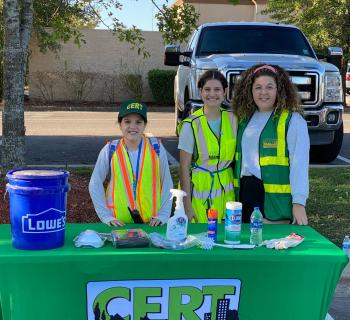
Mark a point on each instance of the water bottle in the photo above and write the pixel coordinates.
(213, 224)
(256, 226)
(346, 245)
(233, 221)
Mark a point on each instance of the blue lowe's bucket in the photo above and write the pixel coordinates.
(38, 202)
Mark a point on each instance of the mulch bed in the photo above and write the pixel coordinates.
(79, 204)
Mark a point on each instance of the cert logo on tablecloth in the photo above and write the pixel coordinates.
(164, 299)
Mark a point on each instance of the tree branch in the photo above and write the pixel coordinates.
(99, 16)
(159, 9)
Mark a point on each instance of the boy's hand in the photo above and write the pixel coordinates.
(155, 222)
(116, 223)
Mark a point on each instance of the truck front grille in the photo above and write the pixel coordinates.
(305, 81)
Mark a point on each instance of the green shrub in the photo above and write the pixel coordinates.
(161, 83)
(132, 84)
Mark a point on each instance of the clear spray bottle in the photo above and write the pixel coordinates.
(177, 225)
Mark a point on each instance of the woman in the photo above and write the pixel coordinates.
(272, 146)
(140, 180)
(207, 146)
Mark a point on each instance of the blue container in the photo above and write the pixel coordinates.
(38, 202)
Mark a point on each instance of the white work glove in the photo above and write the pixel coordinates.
(284, 243)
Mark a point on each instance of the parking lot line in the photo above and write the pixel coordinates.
(343, 159)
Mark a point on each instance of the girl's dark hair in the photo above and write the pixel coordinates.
(212, 75)
(120, 119)
(287, 97)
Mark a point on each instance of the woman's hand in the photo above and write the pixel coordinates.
(116, 223)
(191, 215)
(299, 214)
(155, 222)
(185, 181)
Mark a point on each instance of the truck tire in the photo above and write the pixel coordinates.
(328, 153)
(178, 119)
(181, 115)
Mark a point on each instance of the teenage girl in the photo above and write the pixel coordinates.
(207, 146)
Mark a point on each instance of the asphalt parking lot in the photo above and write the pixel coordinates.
(76, 137)
(73, 137)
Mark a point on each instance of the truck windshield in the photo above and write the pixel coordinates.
(253, 39)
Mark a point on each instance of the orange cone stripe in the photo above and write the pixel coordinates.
(126, 179)
(145, 141)
(154, 184)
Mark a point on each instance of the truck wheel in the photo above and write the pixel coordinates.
(327, 153)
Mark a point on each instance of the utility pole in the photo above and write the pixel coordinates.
(255, 10)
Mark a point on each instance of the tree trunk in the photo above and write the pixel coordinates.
(17, 28)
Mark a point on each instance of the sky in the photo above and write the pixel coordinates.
(137, 12)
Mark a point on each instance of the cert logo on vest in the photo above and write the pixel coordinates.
(164, 299)
(270, 143)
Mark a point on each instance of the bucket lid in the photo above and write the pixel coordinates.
(35, 173)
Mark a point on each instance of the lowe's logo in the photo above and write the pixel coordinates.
(50, 220)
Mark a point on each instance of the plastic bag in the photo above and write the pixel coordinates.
(130, 238)
(160, 241)
(284, 243)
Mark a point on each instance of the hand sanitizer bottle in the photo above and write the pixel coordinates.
(177, 225)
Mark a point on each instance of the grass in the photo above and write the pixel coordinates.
(328, 207)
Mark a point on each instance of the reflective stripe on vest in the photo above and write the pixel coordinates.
(214, 194)
(211, 174)
(148, 188)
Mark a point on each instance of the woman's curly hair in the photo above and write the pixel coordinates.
(287, 97)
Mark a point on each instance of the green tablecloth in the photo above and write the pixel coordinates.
(297, 283)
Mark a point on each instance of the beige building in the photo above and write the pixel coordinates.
(100, 70)
(94, 72)
(223, 10)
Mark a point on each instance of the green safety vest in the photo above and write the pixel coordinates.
(147, 199)
(211, 172)
(274, 166)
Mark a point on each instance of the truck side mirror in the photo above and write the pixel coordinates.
(172, 55)
(335, 56)
(172, 58)
(321, 56)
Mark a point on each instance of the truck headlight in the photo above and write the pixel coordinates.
(333, 91)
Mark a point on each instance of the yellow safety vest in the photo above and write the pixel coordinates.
(146, 197)
(211, 172)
